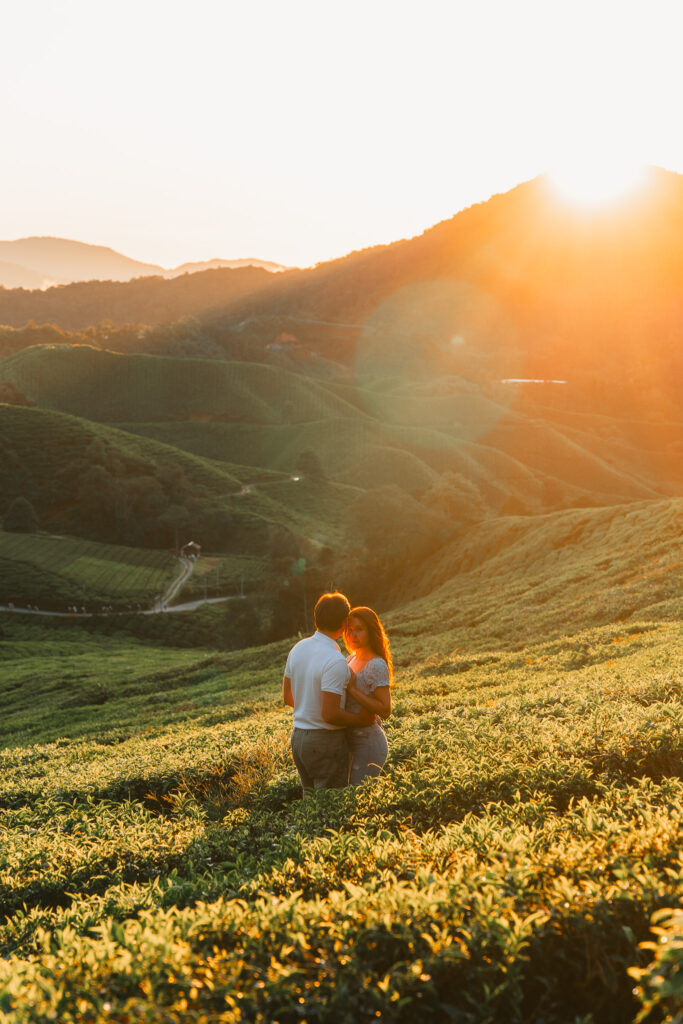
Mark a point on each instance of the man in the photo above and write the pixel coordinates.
(314, 684)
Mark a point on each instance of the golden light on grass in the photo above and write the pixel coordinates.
(594, 181)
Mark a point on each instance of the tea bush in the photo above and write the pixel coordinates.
(505, 867)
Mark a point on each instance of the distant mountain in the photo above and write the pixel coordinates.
(13, 275)
(194, 268)
(60, 261)
(41, 262)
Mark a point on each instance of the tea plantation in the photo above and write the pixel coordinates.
(519, 860)
(60, 571)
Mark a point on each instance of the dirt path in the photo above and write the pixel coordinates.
(185, 573)
(189, 606)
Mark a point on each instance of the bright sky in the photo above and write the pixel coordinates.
(298, 130)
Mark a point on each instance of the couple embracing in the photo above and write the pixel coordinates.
(338, 704)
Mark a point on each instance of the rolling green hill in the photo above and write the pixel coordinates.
(254, 460)
(95, 481)
(515, 448)
(111, 387)
(90, 479)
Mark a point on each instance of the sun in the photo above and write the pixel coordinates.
(592, 182)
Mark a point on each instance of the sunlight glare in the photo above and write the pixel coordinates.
(594, 182)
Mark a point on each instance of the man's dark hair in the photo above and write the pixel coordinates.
(331, 611)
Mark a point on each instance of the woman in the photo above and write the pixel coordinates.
(371, 660)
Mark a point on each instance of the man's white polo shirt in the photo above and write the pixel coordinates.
(315, 664)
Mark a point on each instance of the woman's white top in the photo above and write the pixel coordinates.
(374, 673)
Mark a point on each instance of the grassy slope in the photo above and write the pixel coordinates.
(54, 571)
(514, 579)
(60, 680)
(531, 805)
(505, 459)
(344, 446)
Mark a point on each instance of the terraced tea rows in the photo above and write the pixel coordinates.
(51, 571)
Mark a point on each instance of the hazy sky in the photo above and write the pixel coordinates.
(299, 130)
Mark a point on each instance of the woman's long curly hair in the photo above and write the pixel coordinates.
(377, 637)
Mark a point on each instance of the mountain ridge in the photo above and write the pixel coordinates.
(43, 261)
(522, 285)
